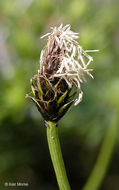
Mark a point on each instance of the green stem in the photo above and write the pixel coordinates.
(56, 156)
(104, 157)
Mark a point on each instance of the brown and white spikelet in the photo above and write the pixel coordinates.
(62, 67)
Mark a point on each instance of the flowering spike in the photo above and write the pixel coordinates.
(62, 67)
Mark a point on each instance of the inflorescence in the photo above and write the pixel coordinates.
(63, 64)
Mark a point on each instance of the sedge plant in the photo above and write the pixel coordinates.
(63, 64)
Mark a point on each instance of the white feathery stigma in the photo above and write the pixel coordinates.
(73, 59)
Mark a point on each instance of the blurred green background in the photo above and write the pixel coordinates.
(24, 155)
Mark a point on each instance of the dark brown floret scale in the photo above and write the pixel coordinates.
(51, 58)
